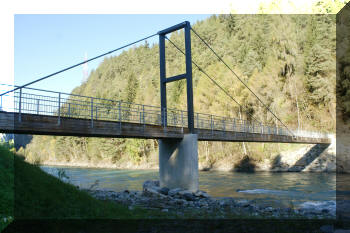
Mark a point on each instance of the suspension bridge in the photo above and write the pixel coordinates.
(44, 112)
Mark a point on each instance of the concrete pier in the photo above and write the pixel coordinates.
(178, 162)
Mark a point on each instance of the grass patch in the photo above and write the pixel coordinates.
(6, 185)
(39, 195)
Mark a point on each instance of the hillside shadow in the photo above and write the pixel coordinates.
(245, 165)
(308, 157)
(22, 140)
(276, 162)
(311, 155)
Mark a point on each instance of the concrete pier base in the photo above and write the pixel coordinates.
(178, 162)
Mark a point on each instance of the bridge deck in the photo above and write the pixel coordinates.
(48, 125)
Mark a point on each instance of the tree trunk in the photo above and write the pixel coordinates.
(206, 146)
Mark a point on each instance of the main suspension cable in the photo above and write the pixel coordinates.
(216, 83)
(81, 63)
(240, 79)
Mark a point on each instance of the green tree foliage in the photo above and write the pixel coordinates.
(288, 60)
(320, 59)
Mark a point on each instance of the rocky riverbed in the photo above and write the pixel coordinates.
(184, 203)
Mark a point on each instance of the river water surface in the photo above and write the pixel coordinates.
(314, 190)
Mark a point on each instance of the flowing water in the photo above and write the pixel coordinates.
(308, 190)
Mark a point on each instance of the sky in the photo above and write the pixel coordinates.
(44, 44)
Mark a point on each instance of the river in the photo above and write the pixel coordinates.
(314, 190)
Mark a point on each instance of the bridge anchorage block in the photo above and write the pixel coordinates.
(178, 162)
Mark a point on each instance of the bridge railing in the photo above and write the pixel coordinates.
(212, 122)
(49, 103)
(303, 133)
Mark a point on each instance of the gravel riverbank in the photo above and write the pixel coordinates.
(184, 203)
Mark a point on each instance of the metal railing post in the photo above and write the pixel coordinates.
(37, 106)
(182, 121)
(59, 108)
(68, 109)
(20, 106)
(234, 124)
(211, 124)
(223, 124)
(143, 117)
(140, 117)
(92, 112)
(96, 116)
(197, 120)
(120, 115)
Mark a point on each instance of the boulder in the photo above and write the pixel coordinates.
(188, 196)
(164, 190)
(183, 192)
(180, 201)
(150, 184)
(153, 192)
(173, 192)
(201, 194)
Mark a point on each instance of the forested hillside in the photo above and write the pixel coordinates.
(288, 60)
